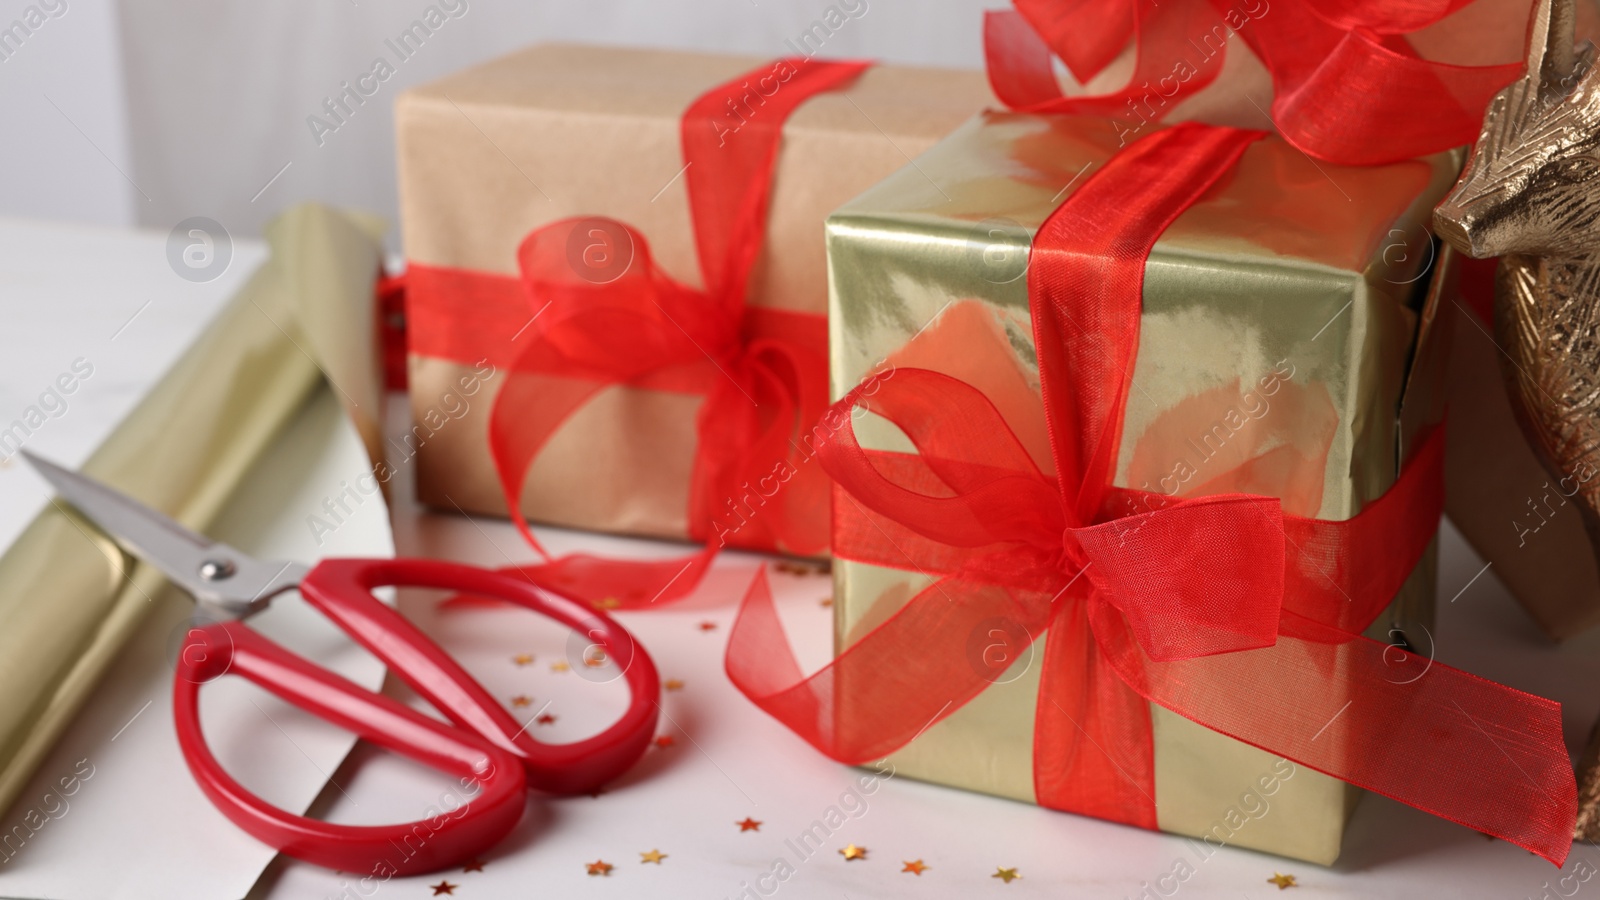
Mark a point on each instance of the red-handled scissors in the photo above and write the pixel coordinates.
(485, 745)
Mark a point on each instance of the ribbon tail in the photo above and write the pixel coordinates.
(1444, 741)
(919, 665)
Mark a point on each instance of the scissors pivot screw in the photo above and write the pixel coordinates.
(217, 570)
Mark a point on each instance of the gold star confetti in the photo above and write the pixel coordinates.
(915, 867)
(1284, 882)
(599, 867)
(476, 865)
(1006, 875)
(851, 851)
(559, 665)
(749, 824)
(523, 659)
(825, 602)
(546, 719)
(654, 856)
(444, 887)
(663, 741)
(609, 603)
(521, 700)
(672, 684)
(595, 660)
(708, 626)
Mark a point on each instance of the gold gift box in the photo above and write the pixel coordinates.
(558, 131)
(1288, 348)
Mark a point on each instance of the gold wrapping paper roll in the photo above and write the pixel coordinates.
(69, 598)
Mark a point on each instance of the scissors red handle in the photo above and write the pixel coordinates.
(487, 747)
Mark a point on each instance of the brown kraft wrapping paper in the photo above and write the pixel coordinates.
(558, 131)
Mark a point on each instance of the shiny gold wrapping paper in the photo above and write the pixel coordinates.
(556, 131)
(70, 598)
(1295, 293)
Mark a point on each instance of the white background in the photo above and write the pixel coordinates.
(150, 111)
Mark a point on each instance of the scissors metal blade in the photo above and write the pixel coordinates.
(212, 571)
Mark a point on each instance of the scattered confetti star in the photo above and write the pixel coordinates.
(1284, 882)
(851, 851)
(915, 867)
(654, 856)
(672, 684)
(559, 665)
(1006, 875)
(444, 887)
(664, 741)
(749, 824)
(546, 719)
(609, 603)
(595, 660)
(599, 867)
(476, 865)
(521, 700)
(708, 626)
(522, 659)
(825, 601)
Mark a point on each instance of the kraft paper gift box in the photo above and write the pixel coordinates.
(560, 131)
(1507, 506)
(1288, 348)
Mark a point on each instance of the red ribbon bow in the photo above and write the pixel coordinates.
(1222, 609)
(1347, 86)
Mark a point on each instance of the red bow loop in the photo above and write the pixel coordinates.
(1194, 579)
(597, 299)
(971, 483)
(1348, 87)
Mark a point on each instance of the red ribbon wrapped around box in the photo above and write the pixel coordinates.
(590, 311)
(1222, 609)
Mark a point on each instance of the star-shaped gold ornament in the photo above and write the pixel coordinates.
(559, 665)
(1284, 882)
(521, 700)
(444, 887)
(748, 824)
(672, 684)
(609, 603)
(595, 660)
(825, 602)
(851, 851)
(599, 867)
(523, 659)
(914, 866)
(654, 856)
(1005, 875)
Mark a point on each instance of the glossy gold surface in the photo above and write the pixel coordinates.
(1317, 274)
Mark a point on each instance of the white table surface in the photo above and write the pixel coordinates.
(728, 761)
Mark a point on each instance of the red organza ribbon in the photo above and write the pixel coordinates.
(1347, 86)
(598, 313)
(1222, 609)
